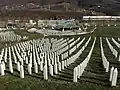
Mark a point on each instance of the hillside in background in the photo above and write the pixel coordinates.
(109, 7)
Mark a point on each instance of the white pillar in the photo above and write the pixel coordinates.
(75, 75)
(63, 65)
(26, 60)
(4, 65)
(41, 66)
(38, 61)
(111, 73)
(59, 66)
(49, 63)
(22, 63)
(51, 70)
(45, 73)
(18, 66)
(78, 68)
(10, 66)
(63, 30)
(36, 68)
(55, 69)
(15, 59)
(52, 61)
(2, 69)
(80, 72)
(107, 68)
(57, 58)
(114, 80)
(21, 71)
(67, 62)
(30, 69)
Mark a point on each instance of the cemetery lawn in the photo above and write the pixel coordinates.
(32, 83)
(106, 31)
(30, 35)
(14, 82)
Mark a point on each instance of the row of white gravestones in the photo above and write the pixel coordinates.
(61, 66)
(115, 53)
(73, 49)
(21, 68)
(36, 67)
(78, 71)
(9, 36)
(64, 47)
(104, 59)
(72, 43)
(65, 55)
(74, 57)
(80, 42)
(57, 41)
(59, 44)
(71, 40)
(61, 47)
(16, 50)
(78, 39)
(53, 40)
(29, 69)
(116, 43)
(113, 76)
(10, 61)
(63, 43)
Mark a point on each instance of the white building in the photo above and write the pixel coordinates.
(101, 17)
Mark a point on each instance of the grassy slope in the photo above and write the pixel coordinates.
(104, 31)
(9, 82)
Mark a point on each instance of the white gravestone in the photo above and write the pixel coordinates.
(55, 69)
(51, 70)
(114, 79)
(63, 65)
(21, 71)
(75, 75)
(36, 68)
(45, 73)
(41, 66)
(10, 66)
(2, 69)
(18, 66)
(59, 66)
(30, 69)
(111, 73)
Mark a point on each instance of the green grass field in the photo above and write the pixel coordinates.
(111, 31)
(13, 82)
